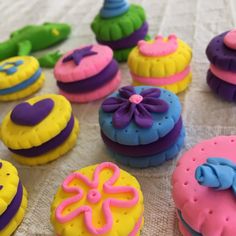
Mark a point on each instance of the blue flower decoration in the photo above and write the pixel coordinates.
(217, 173)
(10, 69)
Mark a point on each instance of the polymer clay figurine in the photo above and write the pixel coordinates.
(221, 76)
(204, 188)
(98, 200)
(87, 74)
(163, 62)
(34, 38)
(120, 26)
(142, 126)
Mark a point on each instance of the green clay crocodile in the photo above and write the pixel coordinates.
(34, 38)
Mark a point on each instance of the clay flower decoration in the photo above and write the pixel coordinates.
(137, 107)
(94, 196)
(10, 67)
(218, 173)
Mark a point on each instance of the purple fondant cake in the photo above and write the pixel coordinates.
(221, 77)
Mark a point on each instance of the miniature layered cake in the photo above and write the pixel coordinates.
(204, 188)
(19, 77)
(98, 200)
(13, 199)
(162, 62)
(120, 26)
(221, 77)
(142, 126)
(40, 130)
(87, 74)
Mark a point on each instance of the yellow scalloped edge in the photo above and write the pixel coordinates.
(24, 71)
(15, 222)
(174, 88)
(124, 218)
(139, 233)
(54, 154)
(9, 183)
(160, 66)
(25, 92)
(23, 137)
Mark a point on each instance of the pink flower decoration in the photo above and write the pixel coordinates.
(94, 196)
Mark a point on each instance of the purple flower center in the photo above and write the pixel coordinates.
(136, 98)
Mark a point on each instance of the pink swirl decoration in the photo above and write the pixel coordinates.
(94, 196)
(159, 47)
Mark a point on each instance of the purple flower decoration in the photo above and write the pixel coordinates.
(78, 54)
(138, 107)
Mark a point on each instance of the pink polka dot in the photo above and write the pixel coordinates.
(230, 39)
(94, 196)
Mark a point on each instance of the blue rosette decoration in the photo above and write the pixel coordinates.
(217, 173)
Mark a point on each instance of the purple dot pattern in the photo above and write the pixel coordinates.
(220, 55)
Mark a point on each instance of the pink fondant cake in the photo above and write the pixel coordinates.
(87, 73)
(204, 188)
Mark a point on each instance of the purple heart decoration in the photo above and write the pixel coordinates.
(30, 115)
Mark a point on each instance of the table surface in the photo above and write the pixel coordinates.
(204, 115)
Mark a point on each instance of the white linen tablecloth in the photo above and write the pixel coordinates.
(204, 115)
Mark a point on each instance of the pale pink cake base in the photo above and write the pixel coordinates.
(227, 76)
(207, 211)
(162, 81)
(96, 94)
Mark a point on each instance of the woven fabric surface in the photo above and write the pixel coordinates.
(204, 115)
